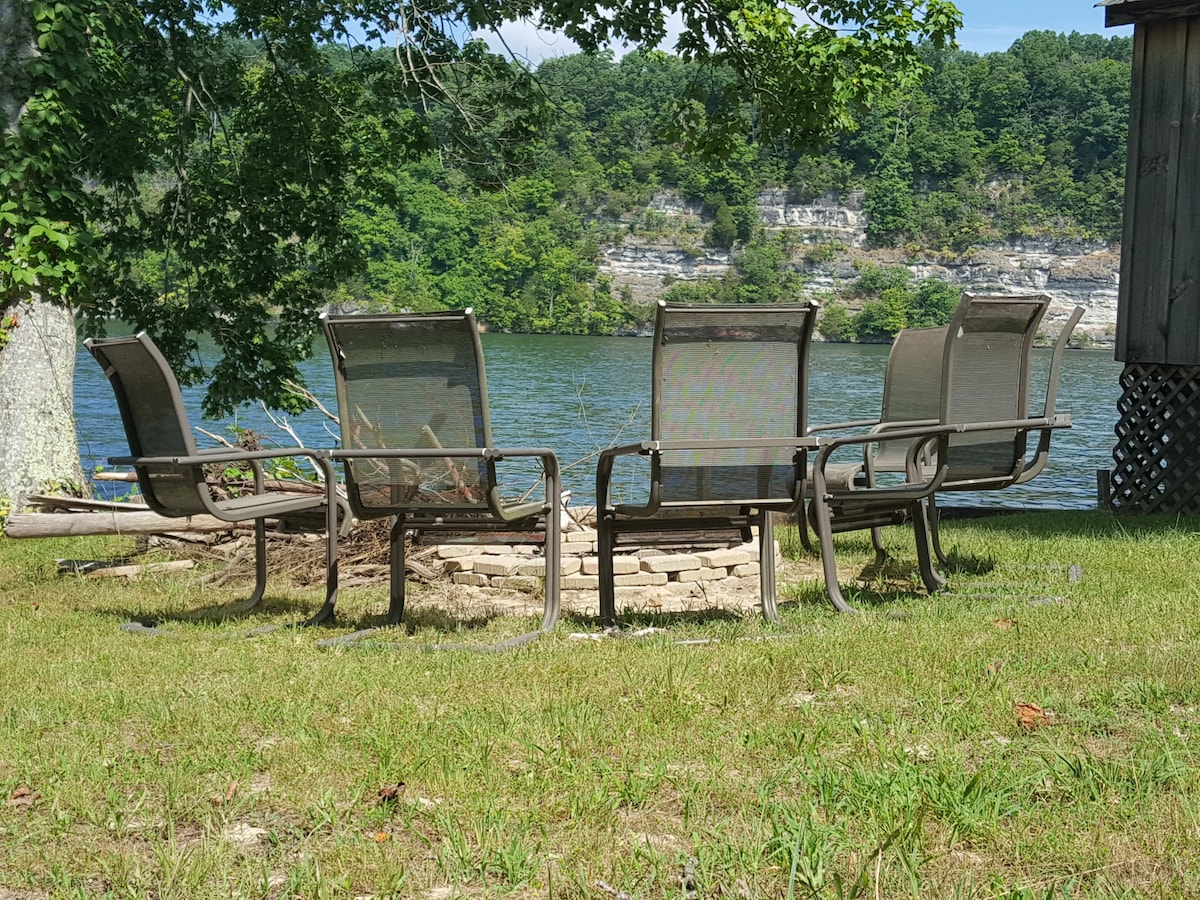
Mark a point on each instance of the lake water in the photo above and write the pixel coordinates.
(580, 394)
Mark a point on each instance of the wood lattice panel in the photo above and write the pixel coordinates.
(1158, 440)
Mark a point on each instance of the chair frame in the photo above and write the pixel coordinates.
(431, 518)
(258, 507)
(613, 521)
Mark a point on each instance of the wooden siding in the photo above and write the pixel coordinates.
(1158, 315)
(1131, 12)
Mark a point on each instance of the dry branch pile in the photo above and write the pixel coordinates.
(299, 557)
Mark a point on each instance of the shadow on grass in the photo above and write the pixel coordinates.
(216, 613)
(637, 619)
(874, 596)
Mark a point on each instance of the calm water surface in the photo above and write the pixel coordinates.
(580, 394)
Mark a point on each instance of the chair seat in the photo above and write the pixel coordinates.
(278, 503)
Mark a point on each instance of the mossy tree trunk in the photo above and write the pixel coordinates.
(38, 446)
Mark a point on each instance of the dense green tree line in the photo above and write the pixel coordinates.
(1030, 141)
(500, 198)
(503, 205)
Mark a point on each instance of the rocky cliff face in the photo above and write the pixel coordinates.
(831, 237)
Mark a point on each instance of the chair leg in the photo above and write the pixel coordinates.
(260, 566)
(806, 540)
(396, 573)
(605, 544)
(935, 534)
(553, 557)
(324, 615)
(820, 515)
(881, 554)
(766, 566)
(933, 579)
(248, 605)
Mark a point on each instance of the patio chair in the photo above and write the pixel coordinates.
(911, 395)
(417, 442)
(911, 388)
(727, 446)
(978, 440)
(171, 470)
(1031, 467)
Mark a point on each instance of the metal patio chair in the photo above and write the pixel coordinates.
(417, 442)
(728, 444)
(1030, 467)
(912, 395)
(171, 469)
(977, 441)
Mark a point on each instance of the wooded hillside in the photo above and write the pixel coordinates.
(508, 215)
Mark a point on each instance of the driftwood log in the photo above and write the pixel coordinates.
(78, 524)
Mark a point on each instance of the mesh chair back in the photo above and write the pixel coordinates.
(724, 372)
(410, 381)
(156, 423)
(911, 388)
(985, 375)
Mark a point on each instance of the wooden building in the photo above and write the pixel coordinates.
(1157, 455)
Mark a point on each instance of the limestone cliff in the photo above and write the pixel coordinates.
(830, 237)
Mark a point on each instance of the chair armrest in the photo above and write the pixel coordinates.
(604, 466)
(843, 426)
(884, 427)
(320, 458)
(1041, 456)
(551, 478)
(920, 437)
(1060, 420)
(218, 454)
(799, 443)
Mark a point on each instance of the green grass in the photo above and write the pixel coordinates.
(876, 755)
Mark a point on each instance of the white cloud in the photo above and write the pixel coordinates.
(525, 41)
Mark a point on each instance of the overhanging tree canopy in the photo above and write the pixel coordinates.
(270, 118)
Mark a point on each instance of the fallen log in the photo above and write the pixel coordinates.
(45, 525)
(83, 504)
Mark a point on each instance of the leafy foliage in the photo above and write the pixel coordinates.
(891, 301)
(258, 144)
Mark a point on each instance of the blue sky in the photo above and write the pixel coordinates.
(987, 25)
(994, 24)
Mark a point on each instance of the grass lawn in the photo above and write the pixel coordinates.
(896, 753)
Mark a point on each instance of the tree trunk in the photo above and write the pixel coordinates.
(16, 46)
(38, 447)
